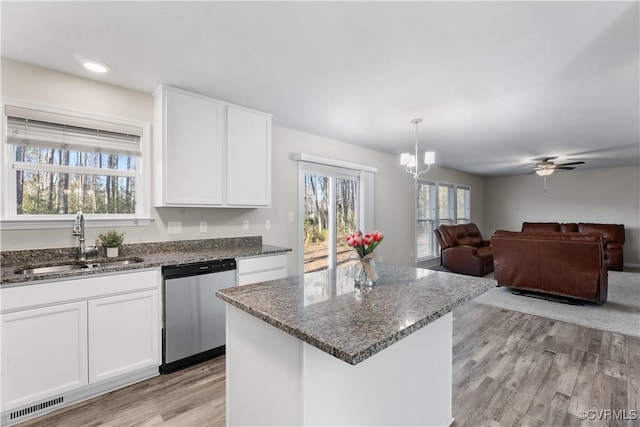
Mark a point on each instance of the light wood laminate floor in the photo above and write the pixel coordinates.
(509, 369)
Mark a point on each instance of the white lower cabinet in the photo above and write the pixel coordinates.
(69, 340)
(44, 352)
(123, 334)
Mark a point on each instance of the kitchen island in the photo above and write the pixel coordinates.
(315, 350)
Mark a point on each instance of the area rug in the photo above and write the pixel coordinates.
(621, 312)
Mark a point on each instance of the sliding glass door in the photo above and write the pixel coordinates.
(330, 202)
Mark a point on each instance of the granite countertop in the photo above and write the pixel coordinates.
(324, 308)
(148, 255)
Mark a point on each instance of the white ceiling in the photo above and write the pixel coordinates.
(497, 83)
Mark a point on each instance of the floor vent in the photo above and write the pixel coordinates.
(35, 408)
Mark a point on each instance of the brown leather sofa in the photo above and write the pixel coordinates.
(565, 264)
(462, 249)
(612, 235)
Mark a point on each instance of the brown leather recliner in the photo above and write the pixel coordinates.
(565, 264)
(462, 249)
(612, 237)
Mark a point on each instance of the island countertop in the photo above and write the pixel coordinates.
(325, 310)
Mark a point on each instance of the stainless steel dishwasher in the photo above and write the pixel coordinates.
(193, 317)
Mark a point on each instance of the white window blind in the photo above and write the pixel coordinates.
(426, 214)
(47, 130)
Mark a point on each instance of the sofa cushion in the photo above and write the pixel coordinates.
(540, 226)
(569, 227)
(461, 235)
(610, 232)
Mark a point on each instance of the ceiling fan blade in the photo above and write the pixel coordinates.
(544, 159)
(572, 163)
(565, 167)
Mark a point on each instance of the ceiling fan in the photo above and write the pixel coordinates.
(546, 167)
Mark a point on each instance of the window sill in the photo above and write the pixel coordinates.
(60, 223)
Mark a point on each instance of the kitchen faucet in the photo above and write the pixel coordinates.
(78, 230)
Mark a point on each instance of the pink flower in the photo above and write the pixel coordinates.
(364, 244)
(350, 240)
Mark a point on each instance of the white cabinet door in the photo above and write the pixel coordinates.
(248, 157)
(188, 151)
(124, 334)
(44, 353)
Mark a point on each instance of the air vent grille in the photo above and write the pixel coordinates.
(35, 408)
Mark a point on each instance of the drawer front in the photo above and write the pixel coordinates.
(262, 276)
(263, 263)
(72, 289)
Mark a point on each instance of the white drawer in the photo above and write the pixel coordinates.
(262, 276)
(261, 269)
(78, 288)
(254, 265)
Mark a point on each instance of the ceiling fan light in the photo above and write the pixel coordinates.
(544, 172)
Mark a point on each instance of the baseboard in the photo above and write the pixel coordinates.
(629, 265)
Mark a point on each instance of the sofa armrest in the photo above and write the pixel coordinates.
(462, 250)
(614, 246)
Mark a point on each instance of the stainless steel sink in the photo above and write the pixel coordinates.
(73, 266)
(52, 269)
(113, 263)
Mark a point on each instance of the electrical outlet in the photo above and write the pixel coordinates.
(245, 225)
(291, 217)
(267, 224)
(174, 227)
(203, 226)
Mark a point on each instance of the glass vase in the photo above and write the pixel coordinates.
(364, 272)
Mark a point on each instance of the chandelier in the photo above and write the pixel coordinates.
(408, 160)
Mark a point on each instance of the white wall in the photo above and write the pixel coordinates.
(393, 195)
(609, 195)
(589, 195)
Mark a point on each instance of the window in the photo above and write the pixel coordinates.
(59, 164)
(438, 203)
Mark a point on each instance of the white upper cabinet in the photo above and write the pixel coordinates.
(248, 157)
(188, 149)
(209, 153)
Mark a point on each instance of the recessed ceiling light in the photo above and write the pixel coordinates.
(95, 66)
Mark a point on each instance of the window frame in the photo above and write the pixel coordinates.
(10, 220)
(453, 189)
